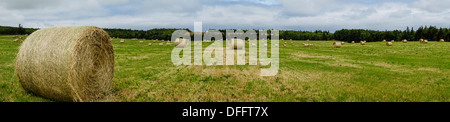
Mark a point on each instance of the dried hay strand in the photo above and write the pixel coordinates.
(141, 42)
(441, 40)
(180, 43)
(16, 40)
(149, 44)
(362, 42)
(389, 44)
(405, 41)
(122, 41)
(67, 63)
(237, 44)
(336, 44)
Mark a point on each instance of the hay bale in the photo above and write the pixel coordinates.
(122, 41)
(168, 44)
(265, 45)
(384, 40)
(353, 42)
(149, 44)
(180, 43)
(253, 45)
(154, 40)
(389, 44)
(276, 45)
(161, 44)
(421, 40)
(424, 42)
(134, 39)
(16, 40)
(307, 45)
(285, 45)
(237, 44)
(141, 42)
(336, 44)
(405, 41)
(67, 63)
(342, 43)
(307, 40)
(441, 40)
(362, 42)
(392, 41)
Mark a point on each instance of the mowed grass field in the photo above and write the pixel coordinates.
(404, 72)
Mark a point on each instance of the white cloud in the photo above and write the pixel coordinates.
(255, 14)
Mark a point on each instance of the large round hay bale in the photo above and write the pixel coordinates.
(337, 44)
(392, 41)
(425, 42)
(67, 63)
(342, 43)
(122, 41)
(421, 40)
(141, 42)
(149, 44)
(362, 42)
(405, 41)
(441, 40)
(237, 44)
(389, 44)
(16, 40)
(353, 42)
(384, 40)
(161, 44)
(180, 43)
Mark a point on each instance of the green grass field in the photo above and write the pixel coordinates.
(354, 73)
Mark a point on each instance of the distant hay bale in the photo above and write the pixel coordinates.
(67, 63)
(168, 44)
(141, 42)
(424, 42)
(237, 44)
(362, 42)
(392, 41)
(405, 41)
(384, 40)
(161, 44)
(389, 44)
(421, 40)
(276, 45)
(307, 45)
(154, 40)
(134, 39)
(307, 40)
(353, 42)
(285, 45)
(265, 45)
(336, 44)
(342, 43)
(16, 40)
(149, 44)
(253, 45)
(122, 41)
(180, 43)
(441, 40)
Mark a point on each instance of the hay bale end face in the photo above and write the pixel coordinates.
(67, 63)
(337, 44)
(389, 44)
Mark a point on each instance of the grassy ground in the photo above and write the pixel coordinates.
(373, 72)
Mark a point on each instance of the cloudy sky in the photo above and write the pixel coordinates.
(225, 14)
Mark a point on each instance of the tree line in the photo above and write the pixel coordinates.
(428, 32)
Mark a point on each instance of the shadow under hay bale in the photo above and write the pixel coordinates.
(79, 67)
